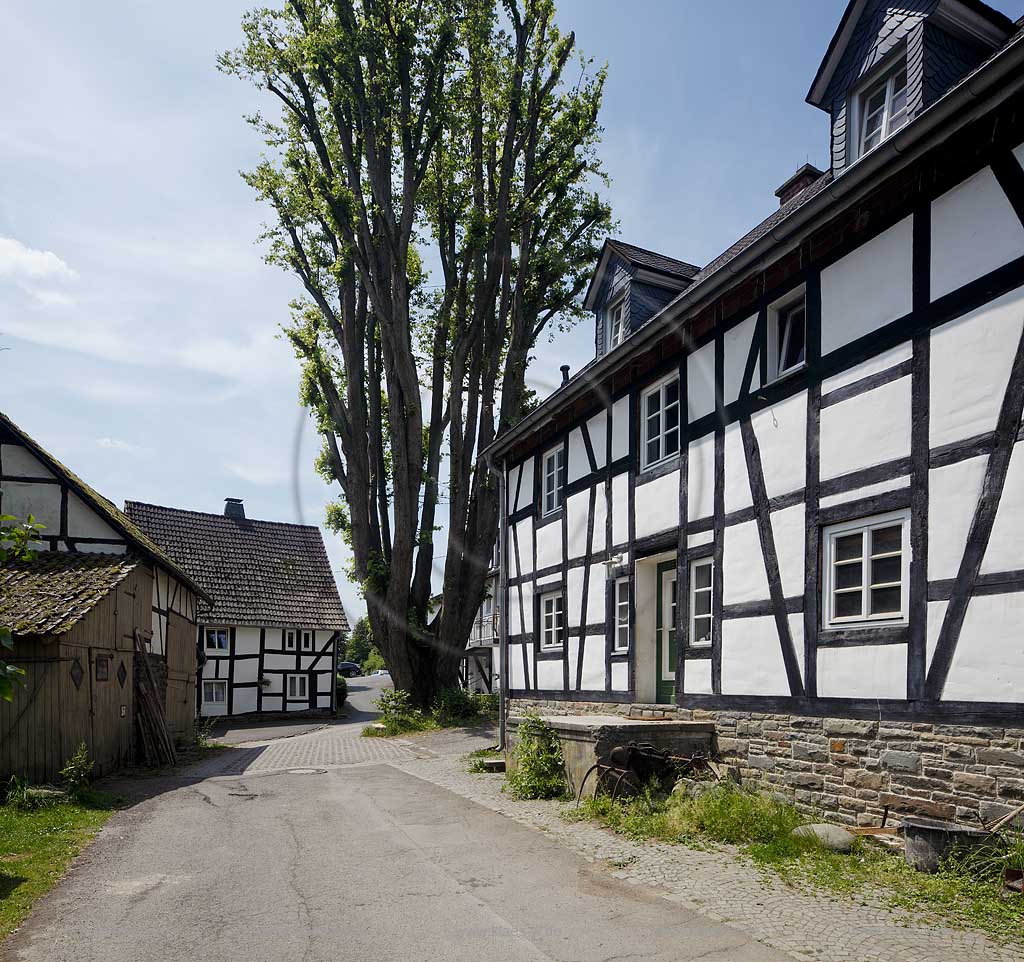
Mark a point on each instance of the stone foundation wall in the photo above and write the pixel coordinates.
(853, 769)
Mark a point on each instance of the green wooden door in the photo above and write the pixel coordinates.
(666, 633)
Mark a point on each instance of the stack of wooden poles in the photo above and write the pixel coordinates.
(157, 744)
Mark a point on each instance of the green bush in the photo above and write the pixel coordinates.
(456, 706)
(374, 662)
(340, 691)
(398, 716)
(539, 769)
(77, 773)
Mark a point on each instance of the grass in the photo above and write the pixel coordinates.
(475, 760)
(965, 893)
(452, 708)
(36, 847)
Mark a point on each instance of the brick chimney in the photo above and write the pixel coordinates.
(804, 177)
(233, 508)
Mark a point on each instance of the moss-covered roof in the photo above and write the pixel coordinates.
(52, 591)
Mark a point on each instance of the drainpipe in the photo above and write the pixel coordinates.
(502, 599)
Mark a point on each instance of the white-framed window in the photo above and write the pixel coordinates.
(702, 576)
(621, 642)
(866, 571)
(554, 480)
(307, 641)
(660, 412)
(787, 336)
(616, 323)
(552, 620)
(289, 639)
(215, 639)
(882, 108)
(297, 686)
(215, 692)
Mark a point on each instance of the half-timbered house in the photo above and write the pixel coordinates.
(268, 638)
(787, 494)
(94, 582)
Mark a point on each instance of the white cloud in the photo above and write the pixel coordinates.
(51, 298)
(22, 262)
(116, 444)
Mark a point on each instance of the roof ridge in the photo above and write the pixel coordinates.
(216, 514)
(616, 242)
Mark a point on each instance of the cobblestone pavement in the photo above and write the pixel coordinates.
(724, 888)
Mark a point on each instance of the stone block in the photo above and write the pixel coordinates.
(908, 805)
(849, 726)
(901, 761)
(805, 780)
(969, 782)
(1011, 788)
(1000, 756)
(837, 745)
(862, 779)
(809, 752)
(762, 762)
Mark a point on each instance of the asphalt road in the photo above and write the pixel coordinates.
(359, 862)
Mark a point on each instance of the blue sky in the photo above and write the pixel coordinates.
(137, 320)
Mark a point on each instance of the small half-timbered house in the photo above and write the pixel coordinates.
(94, 582)
(787, 494)
(268, 638)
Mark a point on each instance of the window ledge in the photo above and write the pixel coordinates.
(658, 468)
(786, 375)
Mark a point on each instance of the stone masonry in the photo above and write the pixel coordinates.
(853, 769)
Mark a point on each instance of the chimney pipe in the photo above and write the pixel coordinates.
(233, 508)
(565, 373)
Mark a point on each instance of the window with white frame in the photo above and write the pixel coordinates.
(554, 479)
(616, 324)
(787, 336)
(622, 614)
(215, 639)
(552, 620)
(882, 109)
(298, 687)
(215, 692)
(701, 581)
(866, 571)
(289, 640)
(307, 641)
(660, 412)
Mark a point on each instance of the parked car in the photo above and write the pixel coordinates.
(383, 671)
(349, 669)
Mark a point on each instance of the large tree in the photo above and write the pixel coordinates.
(458, 135)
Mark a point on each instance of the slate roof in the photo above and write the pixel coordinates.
(52, 591)
(653, 260)
(105, 509)
(256, 572)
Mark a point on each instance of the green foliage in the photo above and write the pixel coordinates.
(202, 729)
(77, 772)
(475, 760)
(452, 708)
(538, 764)
(16, 538)
(398, 716)
(456, 706)
(374, 661)
(340, 690)
(359, 642)
(965, 893)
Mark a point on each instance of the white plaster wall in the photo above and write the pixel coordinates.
(656, 504)
(737, 345)
(974, 231)
(700, 375)
(247, 640)
(243, 700)
(868, 491)
(527, 613)
(549, 675)
(789, 530)
(620, 508)
(1005, 550)
(526, 487)
(600, 519)
(752, 658)
(700, 538)
(864, 671)
(247, 669)
(16, 459)
(595, 595)
(577, 508)
(988, 664)
(737, 481)
(579, 463)
(697, 677)
(84, 522)
(645, 588)
(516, 678)
(971, 359)
(574, 651)
(597, 427)
(522, 563)
(549, 544)
(873, 365)
(593, 664)
(867, 288)
(743, 577)
(953, 493)
(275, 662)
(620, 428)
(42, 501)
(781, 433)
(574, 589)
(323, 682)
(869, 429)
(936, 612)
(700, 494)
(620, 676)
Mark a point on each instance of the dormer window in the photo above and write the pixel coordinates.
(616, 325)
(883, 108)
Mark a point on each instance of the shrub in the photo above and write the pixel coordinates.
(456, 706)
(539, 770)
(340, 691)
(202, 728)
(398, 715)
(374, 662)
(77, 772)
